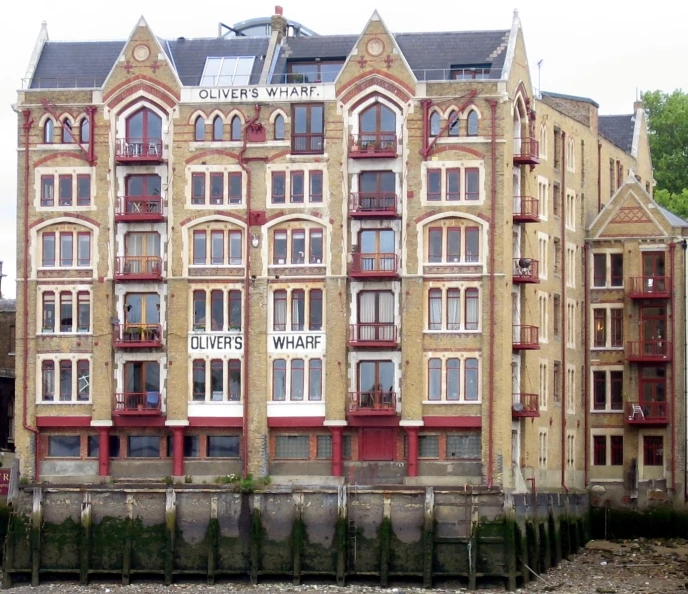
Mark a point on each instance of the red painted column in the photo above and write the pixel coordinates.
(103, 451)
(178, 457)
(412, 462)
(336, 451)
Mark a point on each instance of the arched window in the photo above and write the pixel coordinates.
(49, 131)
(199, 129)
(144, 126)
(435, 124)
(236, 128)
(67, 134)
(377, 126)
(279, 127)
(85, 131)
(472, 123)
(454, 125)
(218, 128)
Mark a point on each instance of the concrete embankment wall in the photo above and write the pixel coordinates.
(423, 534)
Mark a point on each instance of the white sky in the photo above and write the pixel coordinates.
(603, 49)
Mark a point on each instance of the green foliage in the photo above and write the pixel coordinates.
(676, 203)
(168, 480)
(188, 479)
(667, 119)
(243, 485)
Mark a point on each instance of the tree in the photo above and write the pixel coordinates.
(667, 120)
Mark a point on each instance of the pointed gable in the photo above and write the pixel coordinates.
(632, 213)
(376, 59)
(142, 65)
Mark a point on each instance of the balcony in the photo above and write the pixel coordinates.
(373, 145)
(525, 405)
(138, 150)
(526, 271)
(647, 413)
(373, 403)
(374, 266)
(649, 351)
(526, 209)
(131, 209)
(377, 205)
(138, 404)
(650, 287)
(307, 144)
(526, 338)
(137, 336)
(138, 268)
(526, 151)
(373, 335)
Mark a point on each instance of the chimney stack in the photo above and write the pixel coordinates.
(279, 24)
(638, 105)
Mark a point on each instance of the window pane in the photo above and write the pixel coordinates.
(279, 379)
(197, 188)
(235, 248)
(453, 309)
(199, 380)
(83, 190)
(297, 186)
(278, 187)
(217, 311)
(66, 249)
(472, 309)
(65, 182)
(65, 381)
(435, 309)
(616, 261)
(65, 312)
(49, 312)
(217, 247)
(324, 449)
(471, 368)
(280, 247)
(616, 381)
(279, 128)
(199, 241)
(48, 380)
(143, 446)
(64, 446)
(223, 446)
(298, 307)
(315, 379)
(84, 249)
(298, 247)
(93, 446)
(434, 379)
(428, 446)
(472, 183)
(435, 245)
(453, 184)
(599, 270)
(297, 379)
(294, 447)
(48, 249)
(316, 245)
(434, 184)
(217, 188)
(235, 188)
(464, 446)
(472, 245)
(316, 186)
(216, 380)
(453, 379)
(599, 382)
(83, 380)
(235, 380)
(235, 310)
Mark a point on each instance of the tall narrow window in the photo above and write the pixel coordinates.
(217, 311)
(49, 131)
(217, 247)
(199, 129)
(279, 127)
(218, 128)
(297, 188)
(315, 379)
(199, 317)
(472, 309)
(85, 131)
(197, 188)
(280, 247)
(435, 245)
(435, 309)
(616, 324)
(83, 245)
(48, 380)
(435, 124)
(453, 123)
(471, 371)
(279, 321)
(235, 379)
(279, 379)
(453, 379)
(315, 179)
(217, 382)
(47, 190)
(453, 309)
(65, 381)
(434, 185)
(298, 308)
(83, 380)
(199, 247)
(199, 379)
(472, 244)
(235, 243)
(48, 311)
(298, 247)
(453, 245)
(296, 380)
(278, 187)
(472, 183)
(83, 190)
(235, 310)
(67, 134)
(65, 185)
(472, 123)
(315, 316)
(48, 249)
(83, 311)
(435, 379)
(316, 246)
(453, 184)
(66, 249)
(217, 188)
(236, 128)
(235, 188)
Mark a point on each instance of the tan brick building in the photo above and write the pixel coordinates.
(317, 257)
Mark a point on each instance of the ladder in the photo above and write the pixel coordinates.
(352, 529)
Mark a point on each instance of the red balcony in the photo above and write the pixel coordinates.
(526, 151)
(374, 145)
(373, 205)
(139, 208)
(525, 405)
(526, 271)
(649, 351)
(647, 413)
(138, 268)
(526, 338)
(374, 266)
(649, 287)
(138, 404)
(373, 403)
(526, 209)
(138, 150)
(373, 335)
(137, 336)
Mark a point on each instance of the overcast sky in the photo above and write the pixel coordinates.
(603, 49)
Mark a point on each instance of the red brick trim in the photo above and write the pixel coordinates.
(379, 78)
(216, 422)
(294, 422)
(68, 215)
(139, 422)
(454, 422)
(210, 153)
(146, 82)
(222, 213)
(62, 422)
(458, 148)
(73, 154)
(356, 421)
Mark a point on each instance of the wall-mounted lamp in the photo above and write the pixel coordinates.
(255, 240)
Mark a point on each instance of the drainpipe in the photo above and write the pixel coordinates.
(586, 366)
(28, 122)
(599, 177)
(684, 245)
(247, 302)
(493, 223)
(91, 111)
(564, 371)
(425, 104)
(672, 251)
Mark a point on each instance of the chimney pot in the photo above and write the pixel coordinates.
(278, 10)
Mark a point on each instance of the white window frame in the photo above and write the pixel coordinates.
(225, 358)
(306, 288)
(306, 169)
(443, 167)
(608, 325)
(56, 173)
(608, 269)
(607, 369)
(213, 80)
(543, 448)
(207, 170)
(543, 254)
(543, 197)
(571, 389)
(571, 268)
(607, 433)
(444, 288)
(462, 377)
(57, 289)
(571, 323)
(570, 214)
(306, 379)
(543, 316)
(543, 395)
(570, 450)
(56, 358)
(208, 289)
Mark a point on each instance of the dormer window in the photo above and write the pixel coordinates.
(470, 71)
(227, 72)
(314, 72)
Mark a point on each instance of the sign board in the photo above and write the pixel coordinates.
(261, 94)
(4, 480)
(216, 343)
(296, 342)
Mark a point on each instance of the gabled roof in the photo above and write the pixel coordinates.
(87, 64)
(618, 129)
(675, 220)
(570, 97)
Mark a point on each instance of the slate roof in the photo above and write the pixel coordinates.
(675, 220)
(8, 305)
(87, 64)
(571, 98)
(618, 129)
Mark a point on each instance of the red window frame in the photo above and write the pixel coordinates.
(616, 279)
(599, 327)
(217, 367)
(471, 367)
(216, 296)
(296, 194)
(294, 235)
(278, 194)
(435, 369)
(280, 235)
(235, 259)
(279, 296)
(83, 365)
(616, 388)
(198, 188)
(66, 305)
(235, 185)
(66, 370)
(315, 369)
(199, 313)
(434, 181)
(216, 198)
(434, 295)
(234, 368)
(47, 190)
(556, 314)
(67, 132)
(599, 270)
(47, 366)
(599, 390)
(83, 259)
(556, 383)
(315, 255)
(472, 233)
(198, 380)
(616, 327)
(234, 298)
(279, 367)
(453, 128)
(48, 322)
(434, 258)
(453, 294)
(471, 295)
(68, 237)
(44, 241)
(599, 447)
(315, 301)
(453, 368)
(298, 373)
(298, 295)
(616, 449)
(66, 192)
(217, 259)
(454, 255)
(315, 191)
(83, 182)
(453, 181)
(472, 180)
(653, 450)
(196, 255)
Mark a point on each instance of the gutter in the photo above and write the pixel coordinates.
(493, 216)
(564, 308)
